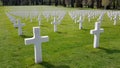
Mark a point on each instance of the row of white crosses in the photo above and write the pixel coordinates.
(97, 29)
(114, 15)
(51, 14)
(78, 16)
(90, 14)
(26, 14)
(12, 19)
(37, 15)
(74, 14)
(17, 23)
(57, 17)
(101, 17)
(36, 40)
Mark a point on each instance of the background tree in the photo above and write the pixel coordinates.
(79, 3)
(72, 3)
(64, 3)
(67, 2)
(85, 3)
(1, 3)
(49, 2)
(118, 4)
(56, 2)
(115, 4)
(91, 3)
(105, 3)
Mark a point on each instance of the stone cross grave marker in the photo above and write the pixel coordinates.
(39, 20)
(80, 21)
(31, 18)
(20, 25)
(46, 15)
(12, 19)
(115, 19)
(37, 40)
(55, 24)
(100, 18)
(96, 33)
(60, 18)
(89, 17)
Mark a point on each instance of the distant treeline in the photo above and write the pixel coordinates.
(107, 4)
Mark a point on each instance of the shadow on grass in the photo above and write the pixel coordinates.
(86, 29)
(24, 36)
(43, 25)
(48, 65)
(61, 32)
(63, 24)
(110, 51)
(106, 27)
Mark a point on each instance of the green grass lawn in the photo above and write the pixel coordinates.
(67, 48)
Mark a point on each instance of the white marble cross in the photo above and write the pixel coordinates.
(31, 18)
(73, 16)
(75, 19)
(115, 19)
(96, 33)
(55, 24)
(89, 17)
(59, 19)
(14, 21)
(39, 20)
(37, 40)
(100, 18)
(80, 21)
(19, 25)
(47, 16)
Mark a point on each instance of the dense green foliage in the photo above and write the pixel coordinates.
(112, 4)
(67, 48)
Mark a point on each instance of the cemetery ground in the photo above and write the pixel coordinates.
(69, 47)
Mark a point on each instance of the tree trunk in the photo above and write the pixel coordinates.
(99, 3)
(60, 2)
(72, 3)
(41, 2)
(79, 3)
(56, 2)
(64, 3)
(49, 2)
(113, 4)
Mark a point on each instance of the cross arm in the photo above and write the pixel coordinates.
(44, 38)
(92, 31)
(95, 31)
(29, 41)
(23, 24)
(101, 30)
